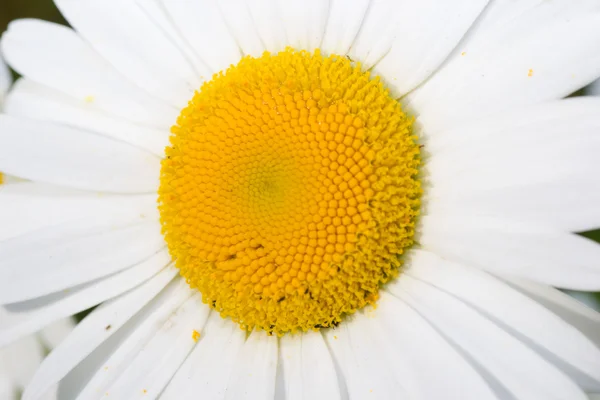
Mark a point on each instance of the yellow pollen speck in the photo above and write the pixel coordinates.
(89, 99)
(464, 53)
(530, 73)
(144, 391)
(1, 178)
(290, 190)
(195, 335)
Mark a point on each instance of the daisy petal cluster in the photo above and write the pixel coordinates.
(324, 199)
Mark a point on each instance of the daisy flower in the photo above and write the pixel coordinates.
(305, 200)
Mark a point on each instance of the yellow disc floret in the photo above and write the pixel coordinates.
(290, 190)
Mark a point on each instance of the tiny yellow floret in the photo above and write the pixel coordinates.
(195, 335)
(1, 178)
(290, 191)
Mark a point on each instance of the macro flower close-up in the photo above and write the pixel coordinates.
(328, 199)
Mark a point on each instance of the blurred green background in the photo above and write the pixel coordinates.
(45, 9)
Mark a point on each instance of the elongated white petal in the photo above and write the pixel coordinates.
(57, 57)
(131, 40)
(366, 371)
(516, 367)
(532, 164)
(253, 375)
(516, 311)
(535, 252)
(30, 206)
(96, 328)
(53, 334)
(304, 22)
(575, 117)
(19, 361)
(64, 256)
(308, 369)
(57, 154)
(269, 24)
(569, 204)
(416, 38)
(521, 53)
(202, 25)
(5, 80)
(158, 360)
(19, 319)
(411, 344)
(582, 317)
(344, 21)
(32, 100)
(205, 373)
(139, 338)
(239, 21)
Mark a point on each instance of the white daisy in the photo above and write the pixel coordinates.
(291, 191)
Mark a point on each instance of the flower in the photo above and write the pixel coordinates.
(411, 166)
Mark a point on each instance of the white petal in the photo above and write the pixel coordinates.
(535, 252)
(5, 80)
(46, 152)
(205, 373)
(20, 360)
(128, 37)
(411, 344)
(239, 22)
(567, 204)
(521, 371)
(420, 36)
(32, 100)
(551, 160)
(410, 39)
(521, 53)
(304, 22)
(97, 327)
(269, 23)
(550, 120)
(30, 206)
(201, 23)
(19, 319)
(253, 375)
(366, 371)
(344, 22)
(585, 319)
(8, 390)
(532, 165)
(517, 312)
(53, 334)
(159, 359)
(70, 254)
(308, 369)
(114, 365)
(57, 57)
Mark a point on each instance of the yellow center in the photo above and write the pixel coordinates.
(290, 190)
